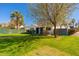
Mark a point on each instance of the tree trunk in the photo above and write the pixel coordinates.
(55, 34)
(17, 23)
(60, 26)
(17, 26)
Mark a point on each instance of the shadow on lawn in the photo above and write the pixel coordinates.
(18, 45)
(6, 41)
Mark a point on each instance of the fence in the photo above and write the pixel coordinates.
(10, 31)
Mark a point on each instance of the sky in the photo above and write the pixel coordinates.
(7, 8)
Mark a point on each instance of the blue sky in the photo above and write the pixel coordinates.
(75, 13)
(7, 8)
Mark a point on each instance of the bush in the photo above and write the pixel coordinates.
(71, 31)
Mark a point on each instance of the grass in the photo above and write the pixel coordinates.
(13, 34)
(68, 44)
(17, 45)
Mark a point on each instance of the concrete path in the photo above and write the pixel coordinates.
(76, 34)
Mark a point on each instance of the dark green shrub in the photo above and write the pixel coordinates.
(71, 31)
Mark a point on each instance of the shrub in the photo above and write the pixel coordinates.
(71, 31)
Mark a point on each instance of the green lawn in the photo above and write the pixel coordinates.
(38, 45)
(13, 34)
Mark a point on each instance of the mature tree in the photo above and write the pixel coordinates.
(17, 19)
(50, 13)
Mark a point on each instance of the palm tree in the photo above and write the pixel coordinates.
(17, 18)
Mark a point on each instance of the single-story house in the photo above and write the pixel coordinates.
(50, 30)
